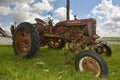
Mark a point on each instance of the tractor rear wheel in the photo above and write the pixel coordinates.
(90, 61)
(56, 43)
(26, 40)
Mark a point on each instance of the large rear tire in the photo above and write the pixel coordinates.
(26, 40)
(91, 61)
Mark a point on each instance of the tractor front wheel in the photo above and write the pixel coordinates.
(104, 49)
(90, 61)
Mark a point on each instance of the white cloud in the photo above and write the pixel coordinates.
(99, 31)
(110, 16)
(108, 33)
(51, 0)
(42, 6)
(23, 11)
(15, 2)
(61, 13)
(4, 10)
(100, 17)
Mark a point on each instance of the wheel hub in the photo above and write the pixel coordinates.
(55, 42)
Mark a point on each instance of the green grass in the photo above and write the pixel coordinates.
(114, 39)
(49, 65)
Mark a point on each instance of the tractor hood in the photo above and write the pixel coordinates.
(75, 22)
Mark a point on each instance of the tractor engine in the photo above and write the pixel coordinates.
(77, 29)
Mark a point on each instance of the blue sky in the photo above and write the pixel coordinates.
(81, 8)
(106, 12)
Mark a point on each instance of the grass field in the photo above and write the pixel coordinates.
(49, 65)
(113, 39)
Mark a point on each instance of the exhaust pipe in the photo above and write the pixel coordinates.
(68, 10)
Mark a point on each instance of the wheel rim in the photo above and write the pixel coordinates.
(105, 50)
(89, 64)
(99, 50)
(55, 42)
(22, 42)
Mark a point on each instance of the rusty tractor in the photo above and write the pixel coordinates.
(76, 36)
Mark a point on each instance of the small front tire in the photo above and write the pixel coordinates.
(91, 61)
